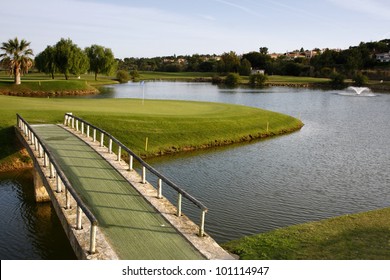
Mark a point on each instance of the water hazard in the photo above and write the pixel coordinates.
(336, 164)
(28, 230)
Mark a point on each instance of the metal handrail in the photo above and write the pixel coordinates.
(73, 121)
(56, 171)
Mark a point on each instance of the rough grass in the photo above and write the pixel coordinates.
(170, 126)
(350, 237)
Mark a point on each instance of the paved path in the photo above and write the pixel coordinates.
(131, 225)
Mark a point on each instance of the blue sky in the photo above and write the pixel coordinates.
(148, 28)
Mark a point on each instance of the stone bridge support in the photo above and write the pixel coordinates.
(41, 194)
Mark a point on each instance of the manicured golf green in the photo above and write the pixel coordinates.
(170, 126)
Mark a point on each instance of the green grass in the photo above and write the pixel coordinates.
(295, 80)
(170, 126)
(185, 76)
(359, 236)
(43, 85)
(178, 76)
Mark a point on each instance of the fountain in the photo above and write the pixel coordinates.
(357, 91)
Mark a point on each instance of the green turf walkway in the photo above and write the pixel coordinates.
(132, 226)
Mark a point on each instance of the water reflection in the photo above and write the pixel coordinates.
(28, 230)
(337, 163)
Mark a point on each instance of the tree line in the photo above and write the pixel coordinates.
(323, 64)
(64, 57)
(67, 58)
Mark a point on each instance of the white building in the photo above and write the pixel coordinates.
(383, 57)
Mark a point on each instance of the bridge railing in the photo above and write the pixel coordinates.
(61, 180)
(85, 128)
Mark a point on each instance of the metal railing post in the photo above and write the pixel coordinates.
(159, 188)
(67, 199)
(143, 175)
(179, 200)
(202, 221)
(101, 140)
(110, 146)
(59, 184)
(78, 218)
(45, 159)
(131, 159)
(92, 240)
(119, 153)
(51, 168)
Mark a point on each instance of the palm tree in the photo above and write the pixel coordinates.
(16, 57)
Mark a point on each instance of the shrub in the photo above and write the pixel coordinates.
(360, 79)
(337, 80)
(122, 76)
(134, 75)
(232, 79)
(216, 80)
(257, 80)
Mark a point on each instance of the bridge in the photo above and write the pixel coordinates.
(107, 209)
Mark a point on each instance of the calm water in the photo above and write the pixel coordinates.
(28, 230)
(338, 163)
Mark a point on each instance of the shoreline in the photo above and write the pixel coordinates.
(21, 160)
(93, 91)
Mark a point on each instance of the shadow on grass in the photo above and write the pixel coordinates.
(365, 243)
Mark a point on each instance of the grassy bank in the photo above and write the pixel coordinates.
(170, 126)
(199, 76)
(38, 84)
(358, 236)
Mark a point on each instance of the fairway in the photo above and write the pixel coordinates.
(170, 126)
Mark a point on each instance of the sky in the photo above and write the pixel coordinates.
(150, 28)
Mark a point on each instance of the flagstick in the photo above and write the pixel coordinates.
(143, 92)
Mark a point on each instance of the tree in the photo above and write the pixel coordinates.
(101, 60)
(45, 61)
(70, 59)
(245, 68)
(230, 62)
(263, 50)
(16, 57)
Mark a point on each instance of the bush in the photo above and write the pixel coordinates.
(134, 75)
(216, 80)
(232, 79)
(360, 79)
(123, 76)
(257, 80)
(337, 80)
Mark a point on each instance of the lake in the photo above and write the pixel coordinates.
(338, 163)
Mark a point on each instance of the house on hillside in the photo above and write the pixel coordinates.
(383, 57)
(257, 71)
